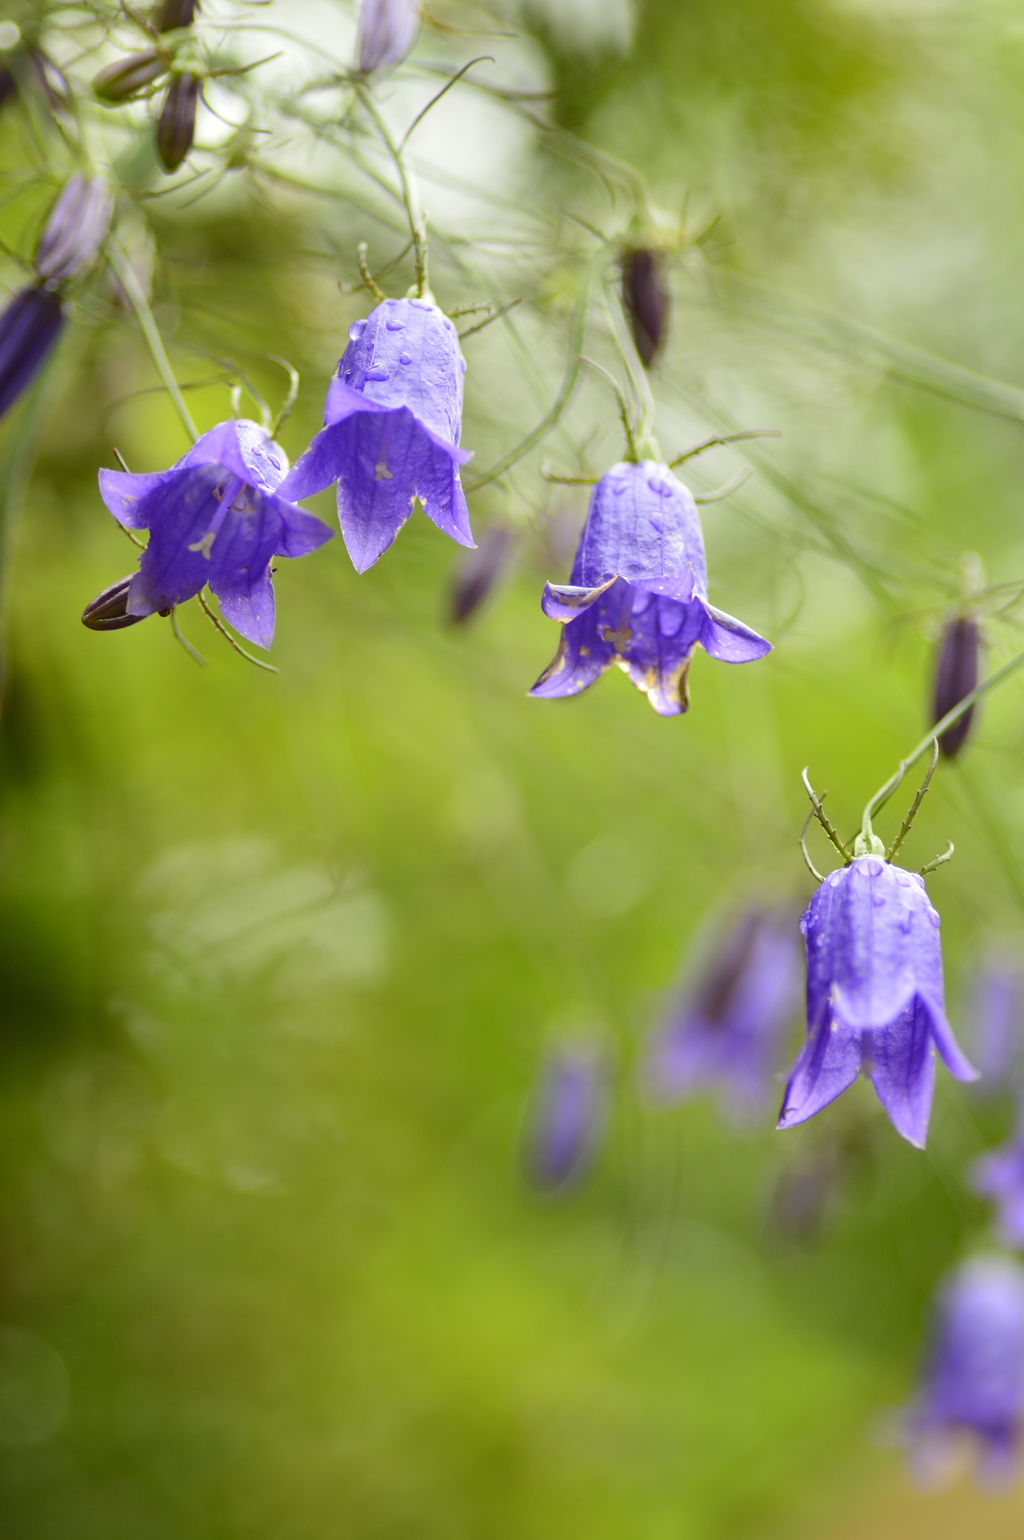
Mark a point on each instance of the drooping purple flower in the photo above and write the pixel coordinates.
(1000, 1176)
(391, 434)
(75, 230)
(996, 1009)
(973, 1378)
(726, 1028)
(875, 1000)
(217, 517)
(638, 593)
(387, 31)
(29, 328)
(956, 675)
(565, 1123)
(646, 301)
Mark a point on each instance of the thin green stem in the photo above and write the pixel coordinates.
(883, 794)
(407, 182)
(140, 304)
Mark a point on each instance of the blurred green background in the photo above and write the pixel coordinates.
(280, 956)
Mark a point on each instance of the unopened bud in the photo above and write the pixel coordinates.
(29, 327)
(175, 13)
(387, 31)
(109, 610)
(956, 675)
(177, 126)
(75, 230)
(478, 572)
(646, 301)
(126, 78)
(567, 1118)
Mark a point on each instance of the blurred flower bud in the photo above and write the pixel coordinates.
(126, 78)
(387, 31)
(177, 126)
(29, 327)
(175, 13)
(646, 301)
(31, 70)
(478, 572)
(109, 610)
(995, 1010)
(956, 675)
(75, 230)
(567, 1118)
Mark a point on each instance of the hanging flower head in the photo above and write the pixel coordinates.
(1000, 1176)
(391, 434)
(875, 1000)
(638, 593)
(217, 518)
(973, 1378)
(727, 1028)
(387, 31)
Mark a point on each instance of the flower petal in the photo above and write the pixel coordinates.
(828, 1064)
(582, 657)
(729, 640)
(643, 526)
(243, 448)
(561, 601)
(179, 511)
(900, 1062)
(126, 494)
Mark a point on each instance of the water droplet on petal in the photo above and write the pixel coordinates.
(904, 879)
(933, 915)
(356, 330)
(393, 324)
(617, 487)
(405, 358)
(904, 918)
(377, 373)
(878, 898)
(660, 486)
(835, 878)
(657, 526)
(421, 304)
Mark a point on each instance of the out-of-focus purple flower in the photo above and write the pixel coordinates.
(996, 1009)
(175, 13)
(479, 572)
(728, 1028)
(176, 126)
(217, 518)
(956, 675)
(29, 328)
(31, 70)
(75, 230)
(638, 593)
(1000, 1176)
(973, 1378)
(646, 301)
(391, 434)
(875, 999)
(387, 31)
(567, 1117)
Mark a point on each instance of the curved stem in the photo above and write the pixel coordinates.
(407, 182)
(883, 793)
(140, 304)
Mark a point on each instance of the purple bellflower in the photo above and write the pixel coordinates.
(973, 1379)
(565, 1124)
(1000, 1176)
(387, 31)
(997, 1011)
(391, 434)
(875, 1000)
(728, 1028)
(217, 518)
(638, 593)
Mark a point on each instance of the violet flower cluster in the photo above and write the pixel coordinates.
(972, 1384)
(875, 1000)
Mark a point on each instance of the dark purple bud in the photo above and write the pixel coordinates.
(477, 573)
(126, 78)
(29, 327)
(646, 300)
(567, 1117)
(109, 610)
(177, 126)
(8, 85)
(175, 13)
(973, 1379)
(387, 31)
(956, 675)
(75, 230)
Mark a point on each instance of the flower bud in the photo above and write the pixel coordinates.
(29, 327)
(646, 301)
(387, 31)
(567, 1118)
(109, 610)
(177, 126)
(956, 675)
(127, 78)
(478, 572)
(175, 13)
(75, 230)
